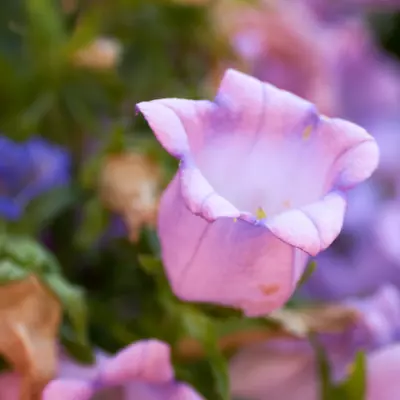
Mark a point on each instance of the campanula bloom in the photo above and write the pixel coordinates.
(27, 170)
(262, 184)
(141, 371)
(287, 369)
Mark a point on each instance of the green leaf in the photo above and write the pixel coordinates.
(327, 389)
(354, 387)
(29, 254)
(200, 327)
(312, 265)
(89, 174)
(44, 209)
(35, 112)
(95, 220)
(10, 272)
(86, 31)
(116, 143)
(46, 24)
(150, 264)
(79, 351)
(72, 299)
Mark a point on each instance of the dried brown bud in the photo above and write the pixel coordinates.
(193, 2)
(129, 186)
(29, 320)
(101, 54)
(69, 6)
(328, 318)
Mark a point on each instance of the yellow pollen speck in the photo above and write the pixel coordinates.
(234, 219)
(260, 213)
(287, 204)
(307, 132)
(269, 289)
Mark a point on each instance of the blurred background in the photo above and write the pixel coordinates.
(81, 174)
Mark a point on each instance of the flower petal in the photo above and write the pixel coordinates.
(355, 153)
(227, 262)
(201, 198)
(311, 228)
(380, 315)
(387, 230)
(283, 370)
(262, 108)
(147, 360)
(67, 389)
(178, 123)
(181, 391)
(10, 209)
(383, 374)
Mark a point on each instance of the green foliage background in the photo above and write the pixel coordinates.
(169, 50)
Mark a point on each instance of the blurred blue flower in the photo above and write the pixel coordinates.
(27, 170)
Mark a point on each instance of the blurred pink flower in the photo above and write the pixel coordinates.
(275, 370)
(383, 374)
(233, 230)
(282, 42)
(366, 78)
(368, 90)
(9, 386)
(141, 371)
(286, 369)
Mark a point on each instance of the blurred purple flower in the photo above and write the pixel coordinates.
(230, 233)
(27, 170)
(141, 371)
(368, 89)
(332, 11)
(387, 230)
(286, 369)
(355, 263)
(354, 267)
